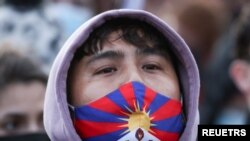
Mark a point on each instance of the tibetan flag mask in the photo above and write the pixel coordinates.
(133, 112)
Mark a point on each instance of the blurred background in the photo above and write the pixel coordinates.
(34, 31)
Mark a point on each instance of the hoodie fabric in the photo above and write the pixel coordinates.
(57, 120)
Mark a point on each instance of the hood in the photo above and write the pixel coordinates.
(57, 120)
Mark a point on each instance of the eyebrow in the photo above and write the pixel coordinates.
(112, 55)
(15, 115)
(152, 51)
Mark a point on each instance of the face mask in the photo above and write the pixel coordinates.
(133, 112)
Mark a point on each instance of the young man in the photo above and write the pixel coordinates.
(125, 75)
(22, 91)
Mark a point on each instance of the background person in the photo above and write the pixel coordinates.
(22, 89)
(240, 66)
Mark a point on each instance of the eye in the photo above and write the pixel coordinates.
(151, 67)
(12, 125)
(107, 70)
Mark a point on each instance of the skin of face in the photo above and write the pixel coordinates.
(22, 108)
(117, 64)
(240, 74)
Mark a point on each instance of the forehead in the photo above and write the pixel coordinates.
(22, 96)
(138, 34)
(115, 41)
(117, 37)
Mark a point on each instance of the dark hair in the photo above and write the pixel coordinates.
(132, 31)
(15, 67)
(243, 36)
(135, 32)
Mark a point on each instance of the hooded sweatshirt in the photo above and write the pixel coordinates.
(57, 119)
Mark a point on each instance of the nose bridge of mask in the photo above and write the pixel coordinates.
(131, 107)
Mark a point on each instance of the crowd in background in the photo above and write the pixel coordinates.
(33, 31)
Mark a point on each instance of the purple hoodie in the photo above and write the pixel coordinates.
(57, 120)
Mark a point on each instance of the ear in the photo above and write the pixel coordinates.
(240, 74)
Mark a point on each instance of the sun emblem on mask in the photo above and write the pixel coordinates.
(138, 118)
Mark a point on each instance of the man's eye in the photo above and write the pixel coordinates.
(106, 71)
(150, 67)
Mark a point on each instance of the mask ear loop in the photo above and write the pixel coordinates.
(71, 107)
(183, 113)
(183, 108)
(72, 113)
